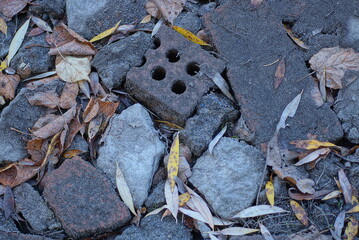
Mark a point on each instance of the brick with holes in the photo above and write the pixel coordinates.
(170, 82)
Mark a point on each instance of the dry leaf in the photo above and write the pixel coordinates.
(173, 162)
(306, 185)
(170, 8)
(338, 225)
(302, 196)
(190, 36)
(216, 139)
(172, 199)
(313, 156)
(48, 99)
(289, 111)
(265, 232)
(126, 28)
(169, 124)
(331, 64)
(124, 190)
(42, 75)
(299, 212)
(153, 10)
(85, 88)
(71, 153)
(41, 24)
(17, 173)
(3, 65)
(147, 18)
(17, 41)
(345, 186)
(259, 210)
(35, 32)
(35, 148)
(68, 95)
(156, 28)
(3, 26)
(183, 198)
(331, 195)
(106, 33)
(279, 74)
(8, 84)
(12, 7)
(9, 202)
(297, 41)
(156, 211)
(73, 69)
(351, 230)
(236, 231)
(192, 214)
(311, 144)
(270, 192)
(57, 125)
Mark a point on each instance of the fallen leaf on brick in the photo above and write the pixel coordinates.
(105, 33)
(190, 36)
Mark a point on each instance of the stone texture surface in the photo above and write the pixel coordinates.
(134, 144)
(113, 61)
(153, 227)
(260, 39)
(19, 114)
(157, 197)
(84, 200)
(34, 209)
(91, 17)
(347, 109)
(212, 112)
(6, 225)
(189, 21)
(34, 55)
(229, 177)
(20, 236)
(53, 8)
(169, 83)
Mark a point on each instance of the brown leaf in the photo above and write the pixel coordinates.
(297, 41)
(12, 7)
(55, 126)
(279, 74)
(170, 8)
(67, 42)
(9, 202)
(93, 111)
(71, 153)
(306, 185)
(331, 64)
(8, 84)
(41, 24)
(17, 173)
(74, 128)
(35, 32)
(322, 152)
(153, 10)
(34, 148)
(68, 95)
(301, 196)
(299, 212)
(42, 121)
(345, 186)
(48, 99)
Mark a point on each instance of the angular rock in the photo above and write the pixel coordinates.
(91, 17)
(33, 55)
(351, 38)
(113, 61)
(157, 197)
(84, 200)
(20, 236)
(252, 82)
(347, 108)
(34, 209)
(6, 225)
(20, 115)
(229, 179)
(53, 8)
(206, 8)
(153, 227)
(212, 112)
(134, 144)
(189, 21)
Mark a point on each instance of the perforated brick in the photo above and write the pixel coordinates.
(169, 83)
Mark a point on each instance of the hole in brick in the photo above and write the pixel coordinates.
(178, 87)
(173, 55)
(143, 61)
(158, 73)
(156, 42)
(192, 68)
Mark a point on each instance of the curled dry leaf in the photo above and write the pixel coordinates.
(279, 74)
(3, 26)
(190, 36)
(297, 41)
(305, 185)
(170, 9)
(35, 148)
(17, 173)
(173, 163)
(345, 186)
(172, 199)
(259, 210)
(299, 212)
(73, 69)
(302, 196)
(311, 144)
(352, 229)
(216, 139)
(289, 111)
(270, 192)
(331, 64)
(313, 156)
(12, 7)
(8, 84)
(124, 190)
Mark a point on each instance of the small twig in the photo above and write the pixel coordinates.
(305, 76)
(17, 130)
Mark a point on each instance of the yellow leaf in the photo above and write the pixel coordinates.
(190, 36)
(146, 19)
(169, 124)
(331, 195)
(3, 26)
(355, 209)
(270, 192)
(352, 229)
(183, 198)
(299, 42)
(3, 65)
(299, 212)
(71, 153)
(106, 33)
(173, 162)
(311, 144)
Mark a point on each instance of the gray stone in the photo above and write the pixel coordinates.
(34, 209)
(134, 144)
(212, 112)
(5, 40)
(229, 179)
(6, 225)
(206, 8)
(52, 8)
(113, 61)
(347, 108)
(189, 21)
(21, 236)
(79, 143)
(21, 115)
(91, 17)
(153, 227)
(157, 197)
(204, 229)
(351, 39)
(34, 55)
